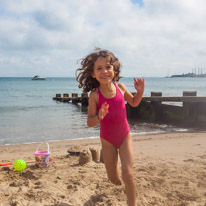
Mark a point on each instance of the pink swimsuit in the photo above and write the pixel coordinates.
(114, 127)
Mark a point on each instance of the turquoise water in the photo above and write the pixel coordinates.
(28, 113)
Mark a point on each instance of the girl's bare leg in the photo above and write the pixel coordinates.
(126, 152)
(110, 157)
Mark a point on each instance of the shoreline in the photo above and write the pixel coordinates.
(173, 129)
(49, 141)
(169, 169)
(93, 141)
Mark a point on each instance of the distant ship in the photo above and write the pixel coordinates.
(37, 77)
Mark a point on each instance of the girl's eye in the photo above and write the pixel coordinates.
(108, 67)
(98, 68)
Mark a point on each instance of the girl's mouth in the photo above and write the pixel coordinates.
(104, 77)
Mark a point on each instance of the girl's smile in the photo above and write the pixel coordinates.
(103, 70)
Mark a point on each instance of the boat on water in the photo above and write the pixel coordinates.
(37, 77)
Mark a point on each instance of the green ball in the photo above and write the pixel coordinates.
(19, 165)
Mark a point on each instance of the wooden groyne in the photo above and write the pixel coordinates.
(158, 109)
(83, 99)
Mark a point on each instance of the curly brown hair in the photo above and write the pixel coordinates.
(84, 74)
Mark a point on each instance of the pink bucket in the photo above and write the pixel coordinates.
(42, 157)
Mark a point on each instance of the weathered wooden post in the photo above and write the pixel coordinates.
(156, 106)
(58, 95)
(57, 98)
(85, 99)
(74, 98)
(189, 93)
(200, 110)
(189, 112)
(65, 97)
(156, 103)
(131, 111)
(156, 94)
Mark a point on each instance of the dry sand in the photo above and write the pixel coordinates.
(169, 169)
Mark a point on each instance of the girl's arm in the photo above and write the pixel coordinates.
(136, 99)
(92, 117)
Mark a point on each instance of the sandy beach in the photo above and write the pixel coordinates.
(169, 169)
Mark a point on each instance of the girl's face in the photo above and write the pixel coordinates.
(103, 70)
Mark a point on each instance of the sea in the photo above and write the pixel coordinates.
(29, 114)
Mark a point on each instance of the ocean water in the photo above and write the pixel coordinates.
(29, 114)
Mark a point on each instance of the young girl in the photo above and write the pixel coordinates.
(98, 73)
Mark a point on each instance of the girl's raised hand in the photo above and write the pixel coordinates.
(103, 111)
(139, 85)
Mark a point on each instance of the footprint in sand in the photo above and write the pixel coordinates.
(189, 160)
(61, 204)
(29, 175)
(13, 184)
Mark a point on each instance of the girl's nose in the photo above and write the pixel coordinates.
(104, 70)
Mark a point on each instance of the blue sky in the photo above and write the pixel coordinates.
(150, 37)
(140, 2)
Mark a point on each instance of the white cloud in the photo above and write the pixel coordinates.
(149, 40)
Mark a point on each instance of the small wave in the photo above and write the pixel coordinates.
(146, 133)
(58, 140)
(22, 108)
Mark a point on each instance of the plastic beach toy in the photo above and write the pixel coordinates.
(19, 165)
(42, 157)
